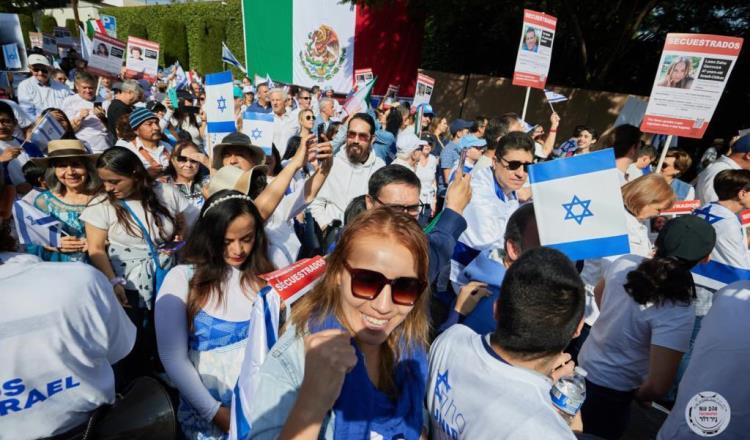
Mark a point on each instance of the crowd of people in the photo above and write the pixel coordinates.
(439, 314)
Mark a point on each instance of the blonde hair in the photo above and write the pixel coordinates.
(682, 160)
(646, 190)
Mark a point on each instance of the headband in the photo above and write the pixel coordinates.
(224, 199)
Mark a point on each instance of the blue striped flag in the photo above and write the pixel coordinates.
(228, 57)
(578, 205)
(219, 104)
(48, 129)
(553, 97)
(35, 226)
(180, 79)
(259, 128)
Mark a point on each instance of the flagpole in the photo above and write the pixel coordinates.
(663, 154)
(525, 103)
(550, 106)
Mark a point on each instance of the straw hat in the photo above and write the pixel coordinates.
(231, 177)
(63, 148)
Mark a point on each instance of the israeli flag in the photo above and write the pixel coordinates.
(228, 57)
(578, 205)
(35, 226)
(729, 260)
(262, 335)
(47, 130)
(219, 104)
(12, 59)
(180, 79)
(87, 46)
(259, 128)
(553, 97)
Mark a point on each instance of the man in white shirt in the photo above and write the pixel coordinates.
(62, 330)
(493, 200)
(285, 125)
(37, 92)
(498, 385)
(87, 118)
(148, 144)
(738, 160)
(351, 171)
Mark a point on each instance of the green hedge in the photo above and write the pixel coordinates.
(210, 46)
(198, 19)
(47, 24)
(71, 25)
(136, 30)
(27, 25)
(176, 47)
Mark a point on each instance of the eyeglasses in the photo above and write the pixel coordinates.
(516, 164)
(367, 284)
(409, 209)
(362, 137)
(183, 159)
(309, 118)
(39, 69)
(306, 98)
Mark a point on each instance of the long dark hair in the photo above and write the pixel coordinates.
(124, 162)
(660, 280)
(177, 152)
(205, 249)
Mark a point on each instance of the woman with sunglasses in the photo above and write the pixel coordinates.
(306, 123)
(188, 171)
(677, 163)
(203, 311)
(352, 360)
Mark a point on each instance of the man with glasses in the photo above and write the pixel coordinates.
(352, 167)
(37, 92)
(493, 201)
(304, 100)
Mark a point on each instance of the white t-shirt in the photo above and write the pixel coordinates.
(616, 353)
(704, 186)
(426, 176)
(62, 329)
(719, 364)
(160, 154)
(472, 394)
(101, 214)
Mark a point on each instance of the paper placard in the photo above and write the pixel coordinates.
(142, 59)
(535, 49)
(106, 55)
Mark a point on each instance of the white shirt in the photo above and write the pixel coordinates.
(345, 182)
(160, 154)
(704, 186)
(486, 216)
(472, 394)
(283, 244)
(284, 127)
(172, 330)
(719, 364)
(616, 353)
(426, 176)
(92, 130)
(403, 163)
(15, 166)
(101, 214)
(62, 330)
(34, 98)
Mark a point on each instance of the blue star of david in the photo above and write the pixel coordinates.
(584, 211)
(222, 104)
(442, 379)
(256, 134)
(706, 214)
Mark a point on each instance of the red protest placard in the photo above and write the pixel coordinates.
(292, 282)
(535, 49)
(683, 207)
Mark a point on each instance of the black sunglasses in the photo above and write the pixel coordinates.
(367, 284)
(183, 159)
(409, 209)
(309, 118)
(516, 164)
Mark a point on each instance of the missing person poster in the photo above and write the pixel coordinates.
(35, 38)
(535, 49)
(106, 55)
(692, 73)
(392, 91)
(362, 76)
(11, 40)
(142, 59)
(423, 91)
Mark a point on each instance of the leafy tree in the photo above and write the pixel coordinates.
(174, 44)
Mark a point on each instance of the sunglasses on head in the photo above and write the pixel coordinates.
(183, 159)
(516, 164)
(368, 284)
(362, 137)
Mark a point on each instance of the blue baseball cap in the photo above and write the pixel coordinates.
(470, 140)
(426, 109)
(458, 125)
(742, 145)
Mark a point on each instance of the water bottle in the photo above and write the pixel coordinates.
(568, 393)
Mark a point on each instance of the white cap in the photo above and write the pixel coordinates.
(35, 58)
(248, 89)
(408, 143)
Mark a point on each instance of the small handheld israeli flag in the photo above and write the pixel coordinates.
(578, 205)
(553, 97)
(228, 57)
(12, 59)
(34, 226)
(219, 104)
(180, 79)
(259, 128)
(48, 129)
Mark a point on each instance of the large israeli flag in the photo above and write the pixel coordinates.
(219, 104)
(578, 206)
(35, 226)
(729, 259)
(48, 129)
(259, 128)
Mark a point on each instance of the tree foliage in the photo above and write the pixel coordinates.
(47, 24)
(176, 46)
(210, 45)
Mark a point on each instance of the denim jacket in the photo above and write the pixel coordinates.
(280, 379)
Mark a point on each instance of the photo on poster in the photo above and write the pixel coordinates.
(679, 71)
(101, 50)
(531, 39)
(135, 53)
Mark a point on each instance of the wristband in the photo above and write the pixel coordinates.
(552, 130)
(118, 281)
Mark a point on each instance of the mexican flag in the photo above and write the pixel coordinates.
(322, 42)
(95, 25)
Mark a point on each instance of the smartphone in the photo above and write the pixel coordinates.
(192, 109)
(97, 104)
(462, 160)
(172, 94)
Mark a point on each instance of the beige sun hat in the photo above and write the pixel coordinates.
(231, 177)
(63, 148)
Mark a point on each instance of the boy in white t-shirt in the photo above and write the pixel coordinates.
(498, 385)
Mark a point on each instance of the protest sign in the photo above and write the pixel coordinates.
(362, 76)
(578, 205)
(49, 44)
(392, 91)
(682, 207)
(11, 40)
(692, 73)
(36, 40)
(423, 92)
(535, 49)
(110, 25)
(106, 55)
(142, 59)
(63, 37)
(292, 282)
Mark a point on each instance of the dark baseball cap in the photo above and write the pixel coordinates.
(459, 124)
(742, 145)
(687, 237)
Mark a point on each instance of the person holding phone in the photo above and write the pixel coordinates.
(87, 118)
